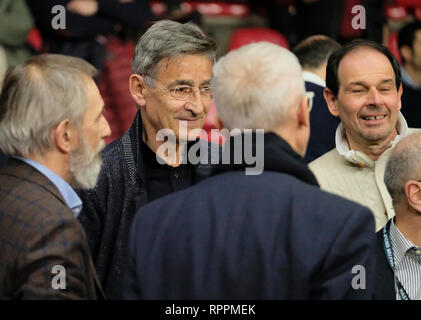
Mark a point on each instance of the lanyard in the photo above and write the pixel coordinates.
(390, 258)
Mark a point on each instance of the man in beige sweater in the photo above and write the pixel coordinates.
(363, 89)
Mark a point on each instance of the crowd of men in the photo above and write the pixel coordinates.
(162, 214)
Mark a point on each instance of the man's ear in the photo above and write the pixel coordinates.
(406, 53)
(331, 102)
(400, 91)
(65, 137)
(413, 194)
(137, 89)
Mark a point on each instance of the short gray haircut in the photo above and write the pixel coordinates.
(167, 39)
(36, 96)
(255, 85)
(404, 164)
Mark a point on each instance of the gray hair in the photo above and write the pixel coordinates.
(404, 164)
(255, 85)
(36, 96)
(167, 39)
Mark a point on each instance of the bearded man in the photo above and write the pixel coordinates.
(52, 127)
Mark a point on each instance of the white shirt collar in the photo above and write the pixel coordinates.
(69, 195)
(313, 78)
(359, 157)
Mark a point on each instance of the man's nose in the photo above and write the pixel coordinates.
(374, 97)
(106, 130)
(196, 103)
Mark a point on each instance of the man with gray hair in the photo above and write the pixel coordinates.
(170, 82)
(53, 129)
(273, 235)
(399, 242)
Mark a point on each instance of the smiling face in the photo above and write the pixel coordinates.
(368, 101)
(161, 110)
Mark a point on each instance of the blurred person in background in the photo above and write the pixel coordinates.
(409, 43)
(313, 54)
(15, 23)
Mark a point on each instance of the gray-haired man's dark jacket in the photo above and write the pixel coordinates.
(109, 208)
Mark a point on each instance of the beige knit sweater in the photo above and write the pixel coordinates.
(353, 175)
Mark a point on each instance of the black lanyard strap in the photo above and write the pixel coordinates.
(387, 244)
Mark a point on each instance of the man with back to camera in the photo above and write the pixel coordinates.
(363, 89)
(53, 129)
(398, 251)
(170, 82)
(313, 53)
(273, 235)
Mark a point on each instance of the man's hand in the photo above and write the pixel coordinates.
(83, 7)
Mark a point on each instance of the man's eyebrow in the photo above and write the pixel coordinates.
(188, 83)
(357, 83)
(386, 81)
(360, 83)
(182, 82)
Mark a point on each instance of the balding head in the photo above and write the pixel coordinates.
(404, 164)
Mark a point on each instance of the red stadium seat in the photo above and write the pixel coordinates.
(418, 13)
(245, 36)
(34, 39)
(397, 13)
(407, 3)
(393, 45)
(206, 8)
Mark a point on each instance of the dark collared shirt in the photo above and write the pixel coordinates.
(164, 179)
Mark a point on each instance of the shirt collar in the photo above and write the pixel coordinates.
(406, 78)
(313, 78)
(359, 157)
(69, 195)
(401, 245)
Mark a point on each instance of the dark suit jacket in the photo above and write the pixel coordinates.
(411, 106)
(268, 236)
(385, 282)
(37, 232)
(322, 125)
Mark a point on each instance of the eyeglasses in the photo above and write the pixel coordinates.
(310, 96)
(185, 92)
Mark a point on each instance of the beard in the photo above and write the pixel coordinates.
(85, 165)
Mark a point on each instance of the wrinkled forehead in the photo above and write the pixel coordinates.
(184, 67)
(364, 64)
